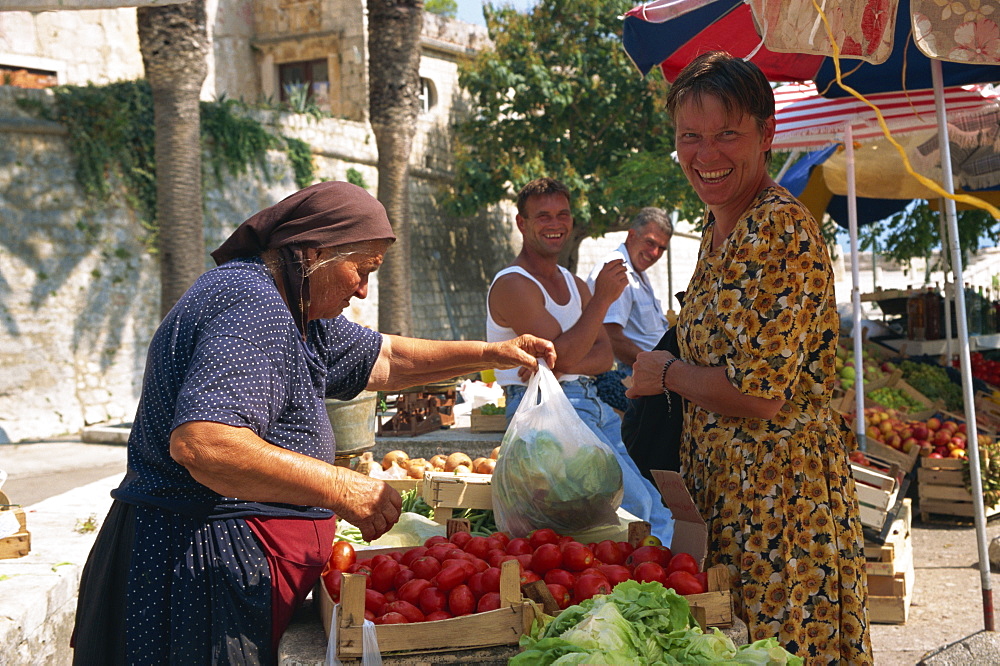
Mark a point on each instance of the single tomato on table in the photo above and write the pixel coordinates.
(343, 555)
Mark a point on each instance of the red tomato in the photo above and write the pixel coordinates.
(607, 552)
(438, 615)
(560, 577)
(577, 557)
(589, 585)
(396, 555)
(451, 577)
(440, 552)
(487, 602)
(491, 579)
(682, 562)
(413, 554)
(343, 555)
(432, 600)
(519, 547)
(425, 567)
(615, 573)
(374, 601)
(528, 576)
(476, 584)
(333, 581)
(460, 539)
(560, 594)
(590, 570)
(563, 540)
(461, 601)
(650, 571)
(525, 561)
(626, 548)
(379, 559)
(499, 540)
(406, 609)
(495, 557)
(391, 618)
(644, 554)
(702, 578)
(547, 556)
(542, 536)
(665, 556)
(404, 574)
(479, 546)
(391, 595)
(684, 583)
(384, 573)
(435, 540)
(410, 591)
(370, 616)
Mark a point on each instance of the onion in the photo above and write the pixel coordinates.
(415, 467)
(437, 462)
(462, 469)
(477, 463)
(495, 453)
(456, 459)
(398, 457)
(486, 467)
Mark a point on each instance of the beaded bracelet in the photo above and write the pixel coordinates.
(663, 379)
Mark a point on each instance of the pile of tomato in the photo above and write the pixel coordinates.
(449, 577)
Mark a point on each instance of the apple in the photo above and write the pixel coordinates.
(935, 454)
(933, 423)
(957, 453)
(926, 448)
(920, 431)
(950, 426)
(894, 440)
(956, 443)
(873, 432)
(908, 444)
(962, 428)
(941, 437)
(942, 451)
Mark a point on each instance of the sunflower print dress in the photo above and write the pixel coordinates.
(778, 495)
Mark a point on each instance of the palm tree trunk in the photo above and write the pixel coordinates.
(173, 40)
(394, 28)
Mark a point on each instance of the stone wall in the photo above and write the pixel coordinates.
(79, 290)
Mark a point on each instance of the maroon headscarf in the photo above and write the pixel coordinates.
(322, 215)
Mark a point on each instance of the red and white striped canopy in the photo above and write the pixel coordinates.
(808, 121)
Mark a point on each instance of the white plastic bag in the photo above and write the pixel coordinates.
(370, 655)
(553, 471)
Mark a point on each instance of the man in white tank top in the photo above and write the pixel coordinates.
(536, 295)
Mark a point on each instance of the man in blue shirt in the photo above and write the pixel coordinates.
(635, 321)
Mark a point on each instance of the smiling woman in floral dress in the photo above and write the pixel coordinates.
(763, 454)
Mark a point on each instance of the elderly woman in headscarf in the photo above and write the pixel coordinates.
(226, 515)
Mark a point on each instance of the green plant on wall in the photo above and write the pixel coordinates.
(111, 135)
(355, 177)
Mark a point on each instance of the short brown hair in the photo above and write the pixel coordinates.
(540, 187)
(737, 83)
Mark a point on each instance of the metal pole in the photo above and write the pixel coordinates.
(858, 329)
(963, 345)
(948, 292)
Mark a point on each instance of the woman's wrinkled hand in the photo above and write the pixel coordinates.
(371, 505)
(647, 374)
(524, 350)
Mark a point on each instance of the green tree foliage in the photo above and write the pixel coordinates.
(447, 8)
(557, 96)
(916, 232)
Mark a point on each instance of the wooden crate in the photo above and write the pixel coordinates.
(446, 491)
(13, 523)
(715, 607)
(891, 572)
(480, 422)
(927, 407)
(403, 485)
(876, 491)
(503, 626)
(942, 491)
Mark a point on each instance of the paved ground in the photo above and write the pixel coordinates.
(944, 626)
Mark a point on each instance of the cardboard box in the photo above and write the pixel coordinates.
(691, 537)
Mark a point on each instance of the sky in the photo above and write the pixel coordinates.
(471, 11)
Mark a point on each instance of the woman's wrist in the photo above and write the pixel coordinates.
(663, 377)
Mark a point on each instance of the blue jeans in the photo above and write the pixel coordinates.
(641, 497)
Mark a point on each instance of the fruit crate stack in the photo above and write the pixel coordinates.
(891, 572)
(944, 485)
(16, 539)
(882, 476)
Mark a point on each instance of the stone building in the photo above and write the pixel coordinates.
(78, 285)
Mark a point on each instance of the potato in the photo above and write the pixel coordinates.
(437, 462)
(456, 459)
(495, 453)
(398, 457)
(486, 467)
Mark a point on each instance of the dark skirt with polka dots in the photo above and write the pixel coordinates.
(197, 592)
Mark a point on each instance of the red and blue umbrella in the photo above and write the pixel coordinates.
(671, 33)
